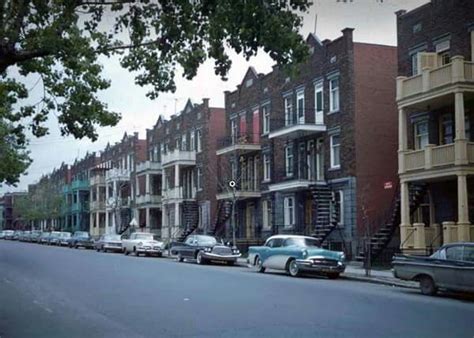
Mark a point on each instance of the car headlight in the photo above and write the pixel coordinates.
(207, 249)
(236, 251)
(305, 253)
(139, 243)
(343, 257)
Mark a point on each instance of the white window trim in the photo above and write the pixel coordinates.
(318, 87)
(198, 141)
(266, 173)
(341, 207)
(265, 114)
(331, 147)
(299, 96)
(266, 220)
(288, 164)
(331, 103)
(288, 101)
(416, 135)
(289, 223)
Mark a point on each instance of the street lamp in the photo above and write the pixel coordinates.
(232, 185)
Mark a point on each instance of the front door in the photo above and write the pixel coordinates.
(311, 160)
(250, 221)
(320, 159)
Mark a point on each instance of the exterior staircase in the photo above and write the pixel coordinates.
(327, 212)
(223, 213)
(190, 219)
(383, 236)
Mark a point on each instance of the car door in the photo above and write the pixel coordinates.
(448, 272)
(275, 258)
(187, 250)
(468, 268)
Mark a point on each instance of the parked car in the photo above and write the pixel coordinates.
(9, 234)
(81, 239)
(25, 236)
(44, 238)
(449, 268)
(205, 249)
(35, 236)
(64, 238)
(54, 238)
(3, 234)
(296, 254)
(143, 243)
(109, 242)
(17, 234)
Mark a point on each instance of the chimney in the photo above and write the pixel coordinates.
(205, 101)
(347, 32)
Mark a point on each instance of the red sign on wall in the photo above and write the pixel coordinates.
(388, 185)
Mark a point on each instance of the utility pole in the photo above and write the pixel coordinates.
(232, 185)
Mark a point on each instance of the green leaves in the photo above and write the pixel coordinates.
(61, 41)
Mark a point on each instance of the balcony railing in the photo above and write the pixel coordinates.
(436, 156)
(80, 185)
(243, 143)
(97, 180)
(431, 79)
(148, 199)
(97, 205)
(173, 193)
(244, 189)
(297, 129)
(181, 157)
(148, 166)
(117, 174)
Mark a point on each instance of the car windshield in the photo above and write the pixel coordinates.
(206, 240)
(81, 234)
(112, 237)
(302, 241)
(147, 237)
(65, 234)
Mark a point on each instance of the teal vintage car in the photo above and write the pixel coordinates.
(296, 254)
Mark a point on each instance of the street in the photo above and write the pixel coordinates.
(61, 292)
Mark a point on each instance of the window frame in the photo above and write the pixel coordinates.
(266, 170)
(332, 146)
(318, 88)
(300, 112)
(417, 137)
(289, 160)
(334, 95)
(289, 211)
(288, 106)
(266, 119)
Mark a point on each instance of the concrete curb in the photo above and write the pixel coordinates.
(375, 280)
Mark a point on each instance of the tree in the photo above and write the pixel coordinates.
(61, 43)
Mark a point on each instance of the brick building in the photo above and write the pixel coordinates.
(435, 96)
(310, 153)
(187, 148)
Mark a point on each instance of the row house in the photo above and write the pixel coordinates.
(112, 186)
(76, 192)
(184, 148)
(310, 152)
(435, 96)
(11, 218)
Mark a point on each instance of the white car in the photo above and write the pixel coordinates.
(143, 243)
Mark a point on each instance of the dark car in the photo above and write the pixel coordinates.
(205, 249)
(109, 242)
(44, 238)
(64, 238)
(54, 238)
(35, 236)
(81, 239)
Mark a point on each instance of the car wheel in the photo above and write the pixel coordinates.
(199, 259)
(136, 252)
(259, 264)
(179, 258)
(427, 286)
(76, 246)
(293, 268)
(333, 275)
(125, 252)
(230, 263)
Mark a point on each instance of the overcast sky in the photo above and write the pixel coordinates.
(373, 21)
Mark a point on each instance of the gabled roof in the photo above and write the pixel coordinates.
(189, 106)
(312, 40)
(251, 74)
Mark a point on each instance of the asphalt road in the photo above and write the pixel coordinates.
(61, 292)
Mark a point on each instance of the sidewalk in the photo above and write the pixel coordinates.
(355, 271)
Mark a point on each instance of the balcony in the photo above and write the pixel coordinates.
(97, 205)
(148, 166)
(179, 157)
(148, 199)
(434, 83)
(173, 193)
(427, 162)
(242, 144)
(97, 180)
(298, 129)
(117, 174)
(296, 182)
(79, 207)
(80, 185)
(66, 189)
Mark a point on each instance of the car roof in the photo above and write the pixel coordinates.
(288, 236)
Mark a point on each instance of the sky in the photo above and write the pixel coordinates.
(373, 22)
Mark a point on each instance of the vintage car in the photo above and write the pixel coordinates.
(296, 254)
(17, 235)
(81, 239)
(44, 238)
(205, 249)
(9, 234)
(449, 268)
(64, 238)
(109, 242)
(54, 238)
(143, 243)
(25, 236)
(35, 236)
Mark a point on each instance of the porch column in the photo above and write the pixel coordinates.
(97, 219)
(463, 209)
(137, 185)
(176, 176)
(147, 218)
(404, 212)
(460, 142)
(402, 139)
(147, 184)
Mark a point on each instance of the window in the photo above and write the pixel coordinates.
(267, 214)
(177, 144)
(414, 64)
(467, 128)
(289, 160)
(417, 27)
(454, 253)
(339, 206)
(288, 111)
(289, 211)
(184, 143)
(300, 106)
(334, 97)
(421, 134)
(233, 130)
(266, 119)
(266, 167)
(468, 254)
(318, 103)
(275, 243)
(198, 141)
(199, 179)
(447, 129)
(192, 142)
(442, 48)
(335, 151)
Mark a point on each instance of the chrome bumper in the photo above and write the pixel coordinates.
(215, 257)
(149, 250)
(309, 265)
